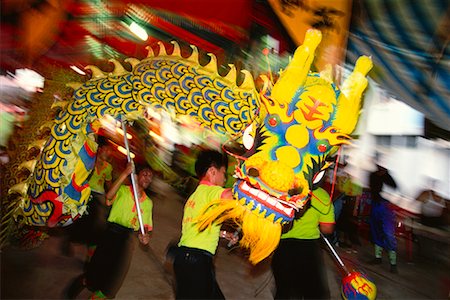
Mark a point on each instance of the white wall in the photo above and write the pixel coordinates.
(410, 167)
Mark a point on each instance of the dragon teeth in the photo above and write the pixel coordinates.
(271, 201)
(267, 198)
(262, 195)
(245, 187)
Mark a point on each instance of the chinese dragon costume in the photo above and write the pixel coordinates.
(281, 135)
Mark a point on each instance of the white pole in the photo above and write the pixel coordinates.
(335, 255)
(133, 179)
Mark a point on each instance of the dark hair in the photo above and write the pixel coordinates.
(207, 159)
(102, 141)
(139, 166)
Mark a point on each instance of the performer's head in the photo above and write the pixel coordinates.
(104, 148)
(144, 175)
(380, 162)
(211, 165)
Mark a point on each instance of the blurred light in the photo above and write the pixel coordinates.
(124, 151)
(158, 138)
(78, 70)
(138, 31)
(120, 131)
(109, 123)
(29, 80)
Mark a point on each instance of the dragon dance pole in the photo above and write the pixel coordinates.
(355, 285)
(133, 179)
(335, 255)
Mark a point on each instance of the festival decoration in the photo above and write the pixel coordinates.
(281, 135)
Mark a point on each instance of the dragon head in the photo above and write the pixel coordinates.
(303, 120)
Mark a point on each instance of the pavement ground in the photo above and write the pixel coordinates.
(44, 272)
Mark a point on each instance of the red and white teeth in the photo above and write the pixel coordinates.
(263, 197)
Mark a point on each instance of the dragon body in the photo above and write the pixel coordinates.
(281, 135)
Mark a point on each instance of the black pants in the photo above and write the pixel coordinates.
(111, 260)
(90, 227)
(299, 270)
(195, 275)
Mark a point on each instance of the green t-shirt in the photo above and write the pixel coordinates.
(102, 172)
(350, 188)
(321, 211)
(123, 210)
(7, 120)
(190, 236)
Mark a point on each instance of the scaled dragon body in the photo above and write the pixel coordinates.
(284, 135)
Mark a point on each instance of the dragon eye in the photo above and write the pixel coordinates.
(323, 145)
(318, 177)
(273, 120)
(248, 139)
(295, 191)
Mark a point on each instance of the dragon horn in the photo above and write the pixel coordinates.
(20, 188)
(61, 104)
(29, 165)
(96, 72)
(350, 98)
(132, 61)
(39, 144)
(118, 68)
(297, 70)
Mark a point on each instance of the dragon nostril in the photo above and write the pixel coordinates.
(295, 191)
(253, 172)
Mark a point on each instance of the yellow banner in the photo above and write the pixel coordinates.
(332, 17)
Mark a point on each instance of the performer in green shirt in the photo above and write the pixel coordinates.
(193, 262)
(99, 182)
(297, 263)
(89, 228)
(111, 260)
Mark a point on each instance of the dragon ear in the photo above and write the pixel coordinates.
(295, 74)
(350, 98)
(266, 85)
(266, 89)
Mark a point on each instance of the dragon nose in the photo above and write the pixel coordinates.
(295, 191)
(253, 172)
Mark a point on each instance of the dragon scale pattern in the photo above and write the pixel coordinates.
(58, 189)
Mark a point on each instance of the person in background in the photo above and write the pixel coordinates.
(433, 206)
(193, 260)
(89, 228)
(300, 253)
(99, 182)
(7, 122)
(382, 218)
(111, 260)
(94, 223)
(347, 222)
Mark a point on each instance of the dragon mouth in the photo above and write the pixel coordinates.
(264, 202)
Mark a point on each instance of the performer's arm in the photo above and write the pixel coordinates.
(326, 228)
(108, 185)
(227, 194)
(144, 238)
(232, 237)
(110, 195)
(148, 228)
